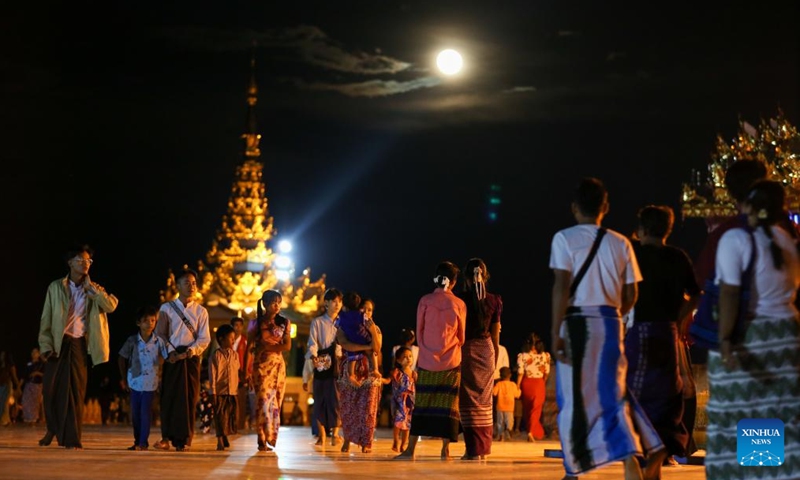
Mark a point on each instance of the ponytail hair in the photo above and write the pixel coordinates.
(476, 275)
(267, 298)
(767, 200)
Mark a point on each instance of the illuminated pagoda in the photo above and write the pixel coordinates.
(775, 142)
(242, 262)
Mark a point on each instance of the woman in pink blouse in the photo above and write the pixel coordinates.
(441, 320)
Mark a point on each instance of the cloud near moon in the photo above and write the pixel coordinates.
(372, 88)
(315, 48)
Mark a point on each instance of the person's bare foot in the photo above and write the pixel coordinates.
(406, 455)
(652, 469)
(632, 469)
(320, 441)
(366, 449)
(394, 448)
(446, 453)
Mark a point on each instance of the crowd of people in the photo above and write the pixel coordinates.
(625, 391)
(621, 307)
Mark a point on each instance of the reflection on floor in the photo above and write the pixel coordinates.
(105, 456)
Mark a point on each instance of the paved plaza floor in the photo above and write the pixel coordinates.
(105, 457)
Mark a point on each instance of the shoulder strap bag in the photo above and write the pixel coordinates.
(577, 280)
(704, 329)
(185, 320)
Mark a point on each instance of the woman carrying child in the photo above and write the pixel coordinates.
(359, 383)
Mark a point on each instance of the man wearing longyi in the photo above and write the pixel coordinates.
(183, 324)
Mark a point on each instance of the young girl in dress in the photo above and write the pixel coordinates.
(403, 379)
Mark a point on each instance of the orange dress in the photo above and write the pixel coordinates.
(269, 379)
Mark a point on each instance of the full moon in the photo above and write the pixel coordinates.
(449, 62)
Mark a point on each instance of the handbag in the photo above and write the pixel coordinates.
(704, 330)
(326, 365)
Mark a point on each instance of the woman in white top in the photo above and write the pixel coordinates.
(756, 372)
(533, 368)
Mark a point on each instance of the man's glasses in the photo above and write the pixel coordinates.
(85, 261)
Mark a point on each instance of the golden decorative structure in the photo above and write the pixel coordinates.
(775, 142)
(240, 265)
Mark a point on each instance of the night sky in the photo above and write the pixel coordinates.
(121, 129)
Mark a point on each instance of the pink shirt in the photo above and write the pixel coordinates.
(441, 320)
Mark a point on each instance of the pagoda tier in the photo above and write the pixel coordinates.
(240, 266)
(775, 142)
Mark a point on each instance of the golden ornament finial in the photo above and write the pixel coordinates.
(775, 142)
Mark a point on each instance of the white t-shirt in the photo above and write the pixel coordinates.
(774, 292)
(502, 361)
(613, 267)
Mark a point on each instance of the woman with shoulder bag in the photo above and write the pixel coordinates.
(755, 375)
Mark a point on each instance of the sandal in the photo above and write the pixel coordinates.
(161, 445)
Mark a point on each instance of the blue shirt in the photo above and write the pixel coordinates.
(322, 334)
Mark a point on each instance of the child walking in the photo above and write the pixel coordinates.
(140, 360)
(506, 392)
(403, 380)
(223, 374)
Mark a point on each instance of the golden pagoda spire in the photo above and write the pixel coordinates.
(240, 265)
(251, 136)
